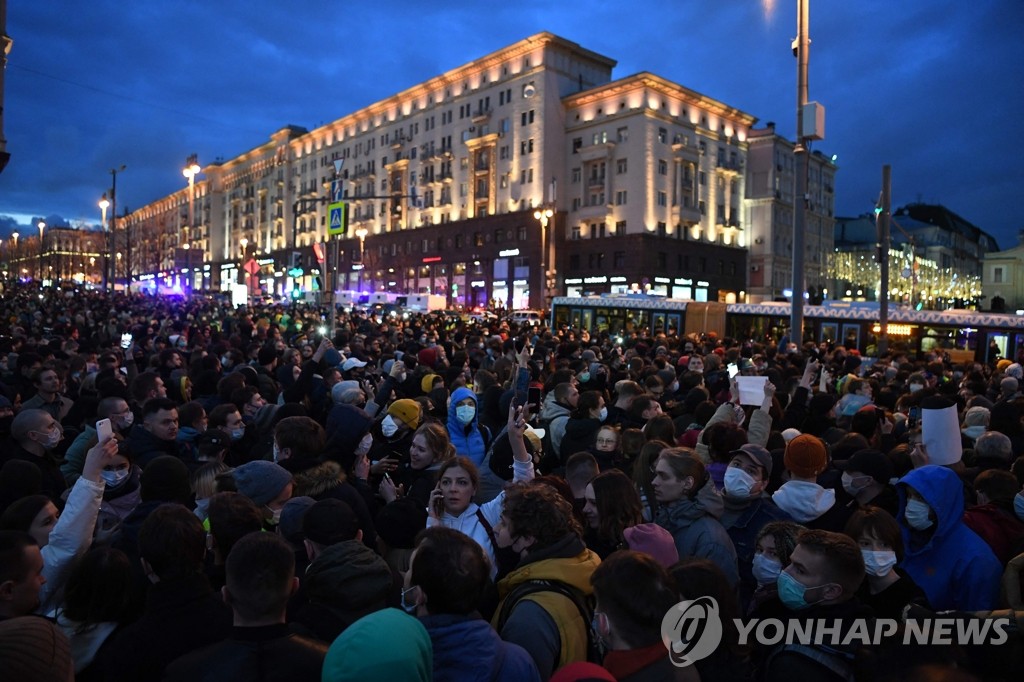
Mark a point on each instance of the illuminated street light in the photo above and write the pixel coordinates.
(42, 226)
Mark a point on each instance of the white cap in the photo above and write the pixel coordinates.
(790, 434)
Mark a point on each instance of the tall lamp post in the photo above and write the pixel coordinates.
(42, 226)
(14, 253)
(801, 47)
(544, 215)
(361, 233)
(113, 221)
(244, 243)
(104, 205)
(190, 171)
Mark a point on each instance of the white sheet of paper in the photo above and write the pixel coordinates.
(751, 390)
(940, 433)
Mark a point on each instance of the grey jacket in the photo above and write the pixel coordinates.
(695, 528)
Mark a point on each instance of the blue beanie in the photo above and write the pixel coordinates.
(261, 481)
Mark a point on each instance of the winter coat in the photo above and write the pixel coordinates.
(580, 436)
(467, 649)
(954, 567)
(694, 525)
(70, 538)
(547, 624)
(270, 653)
(145, 447)
(344, 583)
(321, 480)
(554, 417)
(743, 520)
(468, 439)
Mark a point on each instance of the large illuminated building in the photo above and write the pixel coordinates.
(522, 175)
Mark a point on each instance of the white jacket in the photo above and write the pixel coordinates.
(71, 537)
(468, 522)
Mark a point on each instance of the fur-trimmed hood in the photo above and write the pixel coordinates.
(319, 479)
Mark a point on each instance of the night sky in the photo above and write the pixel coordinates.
(932, 87)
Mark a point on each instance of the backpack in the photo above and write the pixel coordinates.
(551, 460)
(583, 603)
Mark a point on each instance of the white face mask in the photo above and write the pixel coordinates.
(126, 421)
(849, 484)
(388, 426)
(917, 515)
(878, 564)
(364, 446)
(465, 414)
(277, 453)
(914, 388)
(51, 438)
(738, 483)
(603, 414)
(765, 569)
(115, 478)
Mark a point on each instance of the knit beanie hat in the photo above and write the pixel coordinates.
(407, 410)
(652, 539)
(1003, 364)
(790, 434)
(427, 383)
(165, 479)
(292, 515)
(366, 650)
(261, 481)
(427, 356)
(820, 404)
(977, 416)
(806, 456)
(34, 650)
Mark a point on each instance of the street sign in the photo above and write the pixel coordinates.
(336, 191)
(251, 266)
(337, 218)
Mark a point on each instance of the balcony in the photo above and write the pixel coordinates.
(730, 168)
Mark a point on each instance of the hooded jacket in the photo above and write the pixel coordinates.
(554, 417)
(547, 624)
(954, 567)
(695, 528)
(467, 649)
(146, 447)
(468, 439)
(344, 583)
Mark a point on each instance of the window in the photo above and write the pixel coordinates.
(620, 197)
(521, 233)
(577, 142)
(527, 117)
(458, 241)
(662, 135)
(997, 275)
(622, 134)
(703, 178)
(662, 229)
(575, 232)
(599, 138)
(526, 176)
(574, 262)
(621, 166)
(575, 203)
(662, 199)
(620, 227)
(662, 167)
(703, 208)
(478, 239)
(503, 153)
(619, 260)
(576, 175)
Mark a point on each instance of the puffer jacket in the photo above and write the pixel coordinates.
(694, 525)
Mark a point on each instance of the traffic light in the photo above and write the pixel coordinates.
(296, 261)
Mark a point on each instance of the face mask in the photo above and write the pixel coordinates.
(878, 564)
(275, 517)
(673, 387)
(914, 388)
(115, 478)
(203, 508)
(792, 592)
(407, 607)
(1018, 506)
(738, 483)
(584, 377)
(364, 445)
(917, 515)
(91, 367)
(52, 438)
(850, 488)
(236, 434)
(766, 570)
(277, 453)
(126, 421)
(388, 426)
(603, 414)
(465, 414)
(225, 362)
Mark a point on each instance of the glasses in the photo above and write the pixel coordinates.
(606, 441)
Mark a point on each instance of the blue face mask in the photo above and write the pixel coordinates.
(792, 592)
(917, 515)
(1018, 505)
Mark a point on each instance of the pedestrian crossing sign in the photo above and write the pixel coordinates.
(337, 218)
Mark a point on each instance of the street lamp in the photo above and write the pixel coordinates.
(42, 226)
(361, 233)
(190, 171)
(113, 219)
(544, 215)
(244, 243)
(104, 205)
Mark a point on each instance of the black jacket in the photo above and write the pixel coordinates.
(260, 654)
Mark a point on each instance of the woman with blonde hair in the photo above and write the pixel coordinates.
(430, 449)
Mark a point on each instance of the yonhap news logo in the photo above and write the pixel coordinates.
(692, 630)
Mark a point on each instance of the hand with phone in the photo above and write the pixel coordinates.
(104, 430)
(384, 466)
(389, 491)
(436, 507)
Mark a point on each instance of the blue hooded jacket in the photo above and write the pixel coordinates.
(467, 648)
(469, 439)
(955, 567)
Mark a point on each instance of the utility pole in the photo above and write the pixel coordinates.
(113, 226)
(882, 214)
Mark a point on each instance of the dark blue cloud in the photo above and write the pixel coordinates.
(931, 87)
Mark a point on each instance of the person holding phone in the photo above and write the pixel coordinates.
(416, 478)
(451, 501)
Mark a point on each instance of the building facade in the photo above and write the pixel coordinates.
(935, 258)
(525, 174)
(1002, 282)
(770, 213)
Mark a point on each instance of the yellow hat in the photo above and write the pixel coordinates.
(427, 383)
(1003, 364)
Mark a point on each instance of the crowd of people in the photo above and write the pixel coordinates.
(190, 491)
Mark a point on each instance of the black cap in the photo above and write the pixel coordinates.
(329, 522)
(871, 462)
